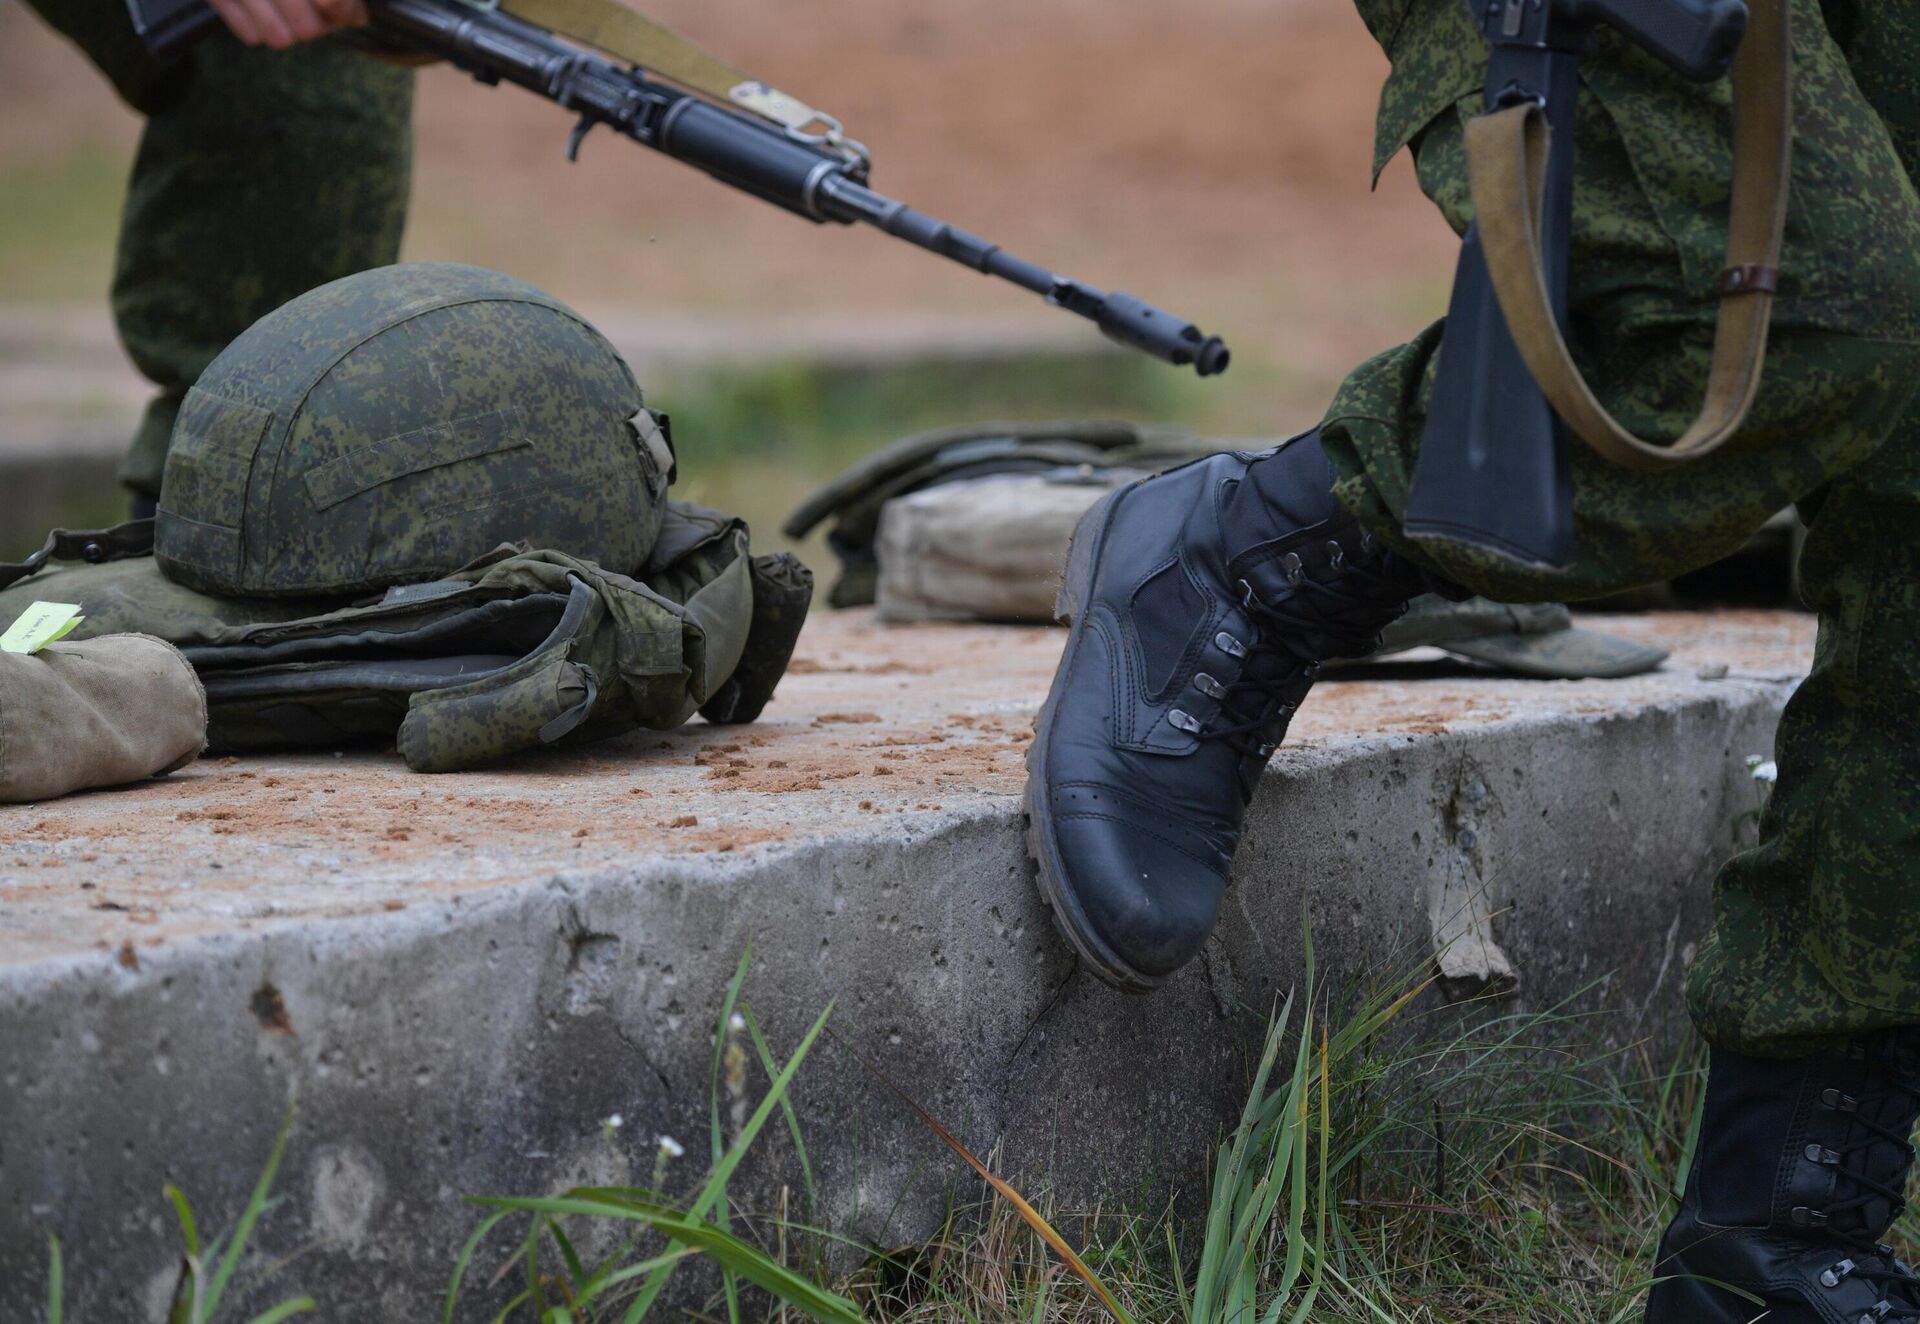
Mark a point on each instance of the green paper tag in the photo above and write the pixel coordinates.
(39, 625)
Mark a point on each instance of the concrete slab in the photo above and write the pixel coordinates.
(460, 976)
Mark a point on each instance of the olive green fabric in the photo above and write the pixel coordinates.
(97, 712)
(260, 175)
(1817, 931)
(392, 425)
(522, 648)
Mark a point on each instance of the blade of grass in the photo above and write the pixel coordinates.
(262, 1191)
(1027, 1212)
(487, 1225)
(786, 1107)
(718, 1132)
(1178, 1274)
(56, 1282)
(576, 1271)
(748, 1261)
(723, 1170)
(299, 1305)
(189, 1229)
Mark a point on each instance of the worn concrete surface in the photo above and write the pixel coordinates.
(460, 977)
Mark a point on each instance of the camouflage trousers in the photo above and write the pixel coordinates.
(1816, 931)
(260, 175)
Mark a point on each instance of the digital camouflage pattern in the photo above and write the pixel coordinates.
(393, 425)
(260, 175)
(520, 649)
(1817, 931)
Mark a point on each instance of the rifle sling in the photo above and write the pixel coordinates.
(1507, 154)
(618, 29)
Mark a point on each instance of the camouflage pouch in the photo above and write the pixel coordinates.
(519, 649)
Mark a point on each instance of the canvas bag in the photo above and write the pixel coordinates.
(98, 712)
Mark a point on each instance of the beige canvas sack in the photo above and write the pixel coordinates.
(983, 549)
(116, 709)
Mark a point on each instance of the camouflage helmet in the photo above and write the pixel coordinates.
(396, 424)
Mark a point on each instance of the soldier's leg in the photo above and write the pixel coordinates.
(1809, 986)
(1653, 172)
(1200, 614)
(1817, 931)
(260, 175)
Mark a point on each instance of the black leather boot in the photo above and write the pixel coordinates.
(1202, 601)
(1800, 1169)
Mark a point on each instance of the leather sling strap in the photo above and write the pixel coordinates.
(134, 538)
(1506, 169)
(618, 29)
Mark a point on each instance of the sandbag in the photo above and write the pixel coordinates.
(99, 712)
(983, 549)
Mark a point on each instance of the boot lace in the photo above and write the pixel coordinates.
(1312, 622)
(1871, 1261)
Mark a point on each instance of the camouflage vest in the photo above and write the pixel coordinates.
(519, 649)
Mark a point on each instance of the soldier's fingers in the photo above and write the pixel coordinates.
(343, 13)
(273, 29)
(302, 18)
(239, 21)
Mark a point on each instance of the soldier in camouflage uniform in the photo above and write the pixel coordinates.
(262, 173)
(1203, 600)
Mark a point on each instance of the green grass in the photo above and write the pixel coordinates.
(1398, 1161)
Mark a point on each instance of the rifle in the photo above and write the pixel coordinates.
(1493, 472)
(819, 176)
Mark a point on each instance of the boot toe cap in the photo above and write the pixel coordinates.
(1149, 893)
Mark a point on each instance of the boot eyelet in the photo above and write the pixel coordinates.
(1805, 1217)
(1820, 1154)
(1266, 751)
(1227, 644)
(1311, 670)
(1839, 1102)
(1291, 567)
(1208, 686)
(1336, 556)
(1184, 721)
(1833, 1276)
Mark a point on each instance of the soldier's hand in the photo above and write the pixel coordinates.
(284, 23)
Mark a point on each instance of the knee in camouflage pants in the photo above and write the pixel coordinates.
(260, 175)
(1817, 930)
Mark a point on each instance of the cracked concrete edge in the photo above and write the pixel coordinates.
(477, 1046)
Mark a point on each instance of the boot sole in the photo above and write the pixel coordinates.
(1076, 584)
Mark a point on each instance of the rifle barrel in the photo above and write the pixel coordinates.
(740, 151)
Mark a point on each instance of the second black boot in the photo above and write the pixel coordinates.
(1800, 1169)
(1202, 601)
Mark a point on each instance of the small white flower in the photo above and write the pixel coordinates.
(1763, 770)
(737, 1023)
(671, 1148)
(615, 1122)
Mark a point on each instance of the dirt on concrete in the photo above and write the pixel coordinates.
(890, 728)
